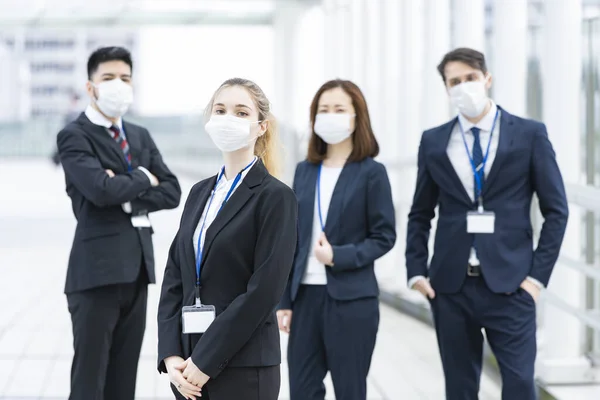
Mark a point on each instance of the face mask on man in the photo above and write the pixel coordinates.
(470, 98)
(230, 133)
(114, 97)
(333, 128)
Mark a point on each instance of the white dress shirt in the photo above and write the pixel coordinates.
(461, 161)
(315, 273)
(97, 118)
(220, 192)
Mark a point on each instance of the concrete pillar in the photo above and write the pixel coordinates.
(358, 35)
(437, 44)
(509, 54)
(375, 57)
(338, 38)
(468, 19)
(287, 15)
(561, 359)
(412, 77)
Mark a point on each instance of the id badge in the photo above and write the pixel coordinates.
(141, 221)
(197, 319)
(480, 222)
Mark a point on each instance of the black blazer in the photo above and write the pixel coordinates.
(247, 257)
(107, 249)
(360, 226)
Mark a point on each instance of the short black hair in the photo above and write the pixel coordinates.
(472, 58)
(105, 54)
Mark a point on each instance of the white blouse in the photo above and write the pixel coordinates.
(315, 273)
(220, 192)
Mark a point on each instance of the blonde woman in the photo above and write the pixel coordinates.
(229, 263)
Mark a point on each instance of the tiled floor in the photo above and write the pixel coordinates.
(36, 228)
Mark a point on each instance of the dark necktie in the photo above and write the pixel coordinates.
(477, 162)
(122, 142)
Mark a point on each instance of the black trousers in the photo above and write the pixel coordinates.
(510, 326)
(250, 383)
(331, 335)
(108, 329)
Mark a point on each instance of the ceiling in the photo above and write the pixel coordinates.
(69, 13)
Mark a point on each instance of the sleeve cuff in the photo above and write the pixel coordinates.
(414, 280)
(537, 283)
(151, 177)
(126, 207)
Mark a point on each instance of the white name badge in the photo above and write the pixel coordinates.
(480, 222)
(141, 221)
(197, 319)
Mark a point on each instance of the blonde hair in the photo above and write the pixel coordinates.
(268, 147)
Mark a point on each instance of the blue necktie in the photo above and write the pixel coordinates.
(477, 161)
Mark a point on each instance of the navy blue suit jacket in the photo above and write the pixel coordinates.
(360, 227)
(525, 164)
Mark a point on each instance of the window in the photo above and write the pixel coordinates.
(48, 67)
(50, 90)
(49, 44)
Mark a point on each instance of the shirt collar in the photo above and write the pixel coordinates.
(97, 118)
(485, 124)
(224, 181)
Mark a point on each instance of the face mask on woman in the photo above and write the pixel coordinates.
(333, 128)
(230, 133)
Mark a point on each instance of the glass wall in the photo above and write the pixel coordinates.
(590, 163)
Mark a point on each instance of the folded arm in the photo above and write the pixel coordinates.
(83, 169)
(166, 195)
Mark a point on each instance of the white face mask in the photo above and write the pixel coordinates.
(333, 128)
(114, 97)
(469, 98)
(229, 133)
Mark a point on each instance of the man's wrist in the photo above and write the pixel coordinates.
(535, 282)
(151, 178)
(412, 281)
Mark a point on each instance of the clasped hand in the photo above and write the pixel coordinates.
(186, 377)
(324, 251)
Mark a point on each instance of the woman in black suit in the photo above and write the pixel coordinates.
(346, 222)
(229, 263)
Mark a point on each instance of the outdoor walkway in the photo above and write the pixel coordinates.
(36, 229)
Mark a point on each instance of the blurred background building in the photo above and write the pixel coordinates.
(543, 56)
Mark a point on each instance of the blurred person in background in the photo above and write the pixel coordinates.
(346, 221)
(72, 114)
(115, 177)
(230, 260)
(481, 169)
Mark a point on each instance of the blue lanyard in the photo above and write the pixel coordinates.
(476, 168)
(237, 179)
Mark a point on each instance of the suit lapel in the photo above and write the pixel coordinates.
(238, 199)
(307, 198)
(504, 144)
(455, 182)
(198, 209)
(133, 140)
(336, 205)
(102, 135)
